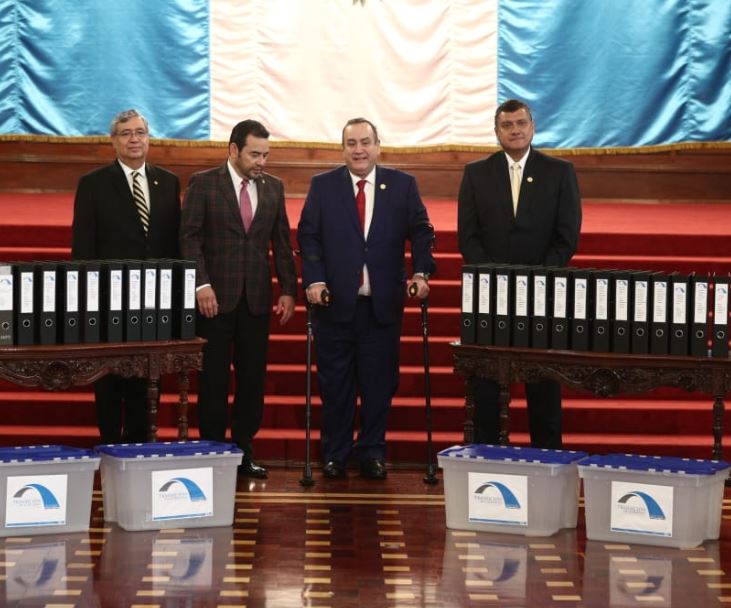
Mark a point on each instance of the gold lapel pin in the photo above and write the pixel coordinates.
(382, 186)
(529, 180)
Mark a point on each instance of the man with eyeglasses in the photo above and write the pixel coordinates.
(519, 206)
(127, 210)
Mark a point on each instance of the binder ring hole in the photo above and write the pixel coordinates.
(72, 322)
(521, 325)
(620, 331)
(92, 322)
(659, 333)
(580, 329)
(134, 320)
(26, 323)
(466, 322)
(148, 319)
(720, 334)
(678, 333)
(501, 324)
(559, 328)
(165, 319)
(48, 323)
(699, 334)
(115, 321)
(600, 330)
(539, 326)
(188, 318)
(640, 332)
(6, 325)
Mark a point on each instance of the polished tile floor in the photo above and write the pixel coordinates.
(352, 543)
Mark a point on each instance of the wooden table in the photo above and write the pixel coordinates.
(61, 366)
(604, 374)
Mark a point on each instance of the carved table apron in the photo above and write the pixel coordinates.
(58, 367)
(604, 374)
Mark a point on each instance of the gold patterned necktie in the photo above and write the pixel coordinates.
(139, 197)
(515, 185)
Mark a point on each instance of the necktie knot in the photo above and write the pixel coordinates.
(361, 185)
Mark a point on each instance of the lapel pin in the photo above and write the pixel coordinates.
(155, 182)
(529, 179)
(382, 186)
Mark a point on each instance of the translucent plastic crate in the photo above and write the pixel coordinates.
(653, 500)
(186, 484)
(45, 489)
(513, 490)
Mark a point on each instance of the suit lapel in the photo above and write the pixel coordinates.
(347, 195)
(230, 197)
(125, 195)
(504, 191)
(526, 185)
(380, 201)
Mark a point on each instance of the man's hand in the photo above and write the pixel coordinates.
(284, 307)
(314, 293)
(418, 287)
(207, 303)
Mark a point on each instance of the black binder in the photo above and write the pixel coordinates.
(67, 299)
(45, 284)
(719, 338)
(112, 301)
(521, 297)
(7, 302)
(467, 334)
(24, 304)
(165, 300)
(540, 333)
(561, 298)
(621, 315)
(149, 300)
(184, 299)
(485, 303)
(679, 314)
(582, 301)
(699, 337)
(132, 300)
(640, 312)
(659, 320)
(600, 330)
(90, 300)
(503, 305)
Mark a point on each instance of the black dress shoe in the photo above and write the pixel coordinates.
(373, 469)
(333, 470)
(249, 468)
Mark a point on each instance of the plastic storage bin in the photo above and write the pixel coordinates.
(653, 500)
(151, 486)
(45, 489)
(512, 490)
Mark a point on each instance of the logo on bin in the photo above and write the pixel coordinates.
(648, 505)
(507, 498)
(35, 492)
(190, 489)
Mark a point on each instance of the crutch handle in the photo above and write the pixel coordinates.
(325, 297)
(413, 290)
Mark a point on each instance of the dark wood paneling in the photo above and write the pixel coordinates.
(673, 175)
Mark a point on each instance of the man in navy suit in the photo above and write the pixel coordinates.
(519, 206)
(107, 224)
(352, 234)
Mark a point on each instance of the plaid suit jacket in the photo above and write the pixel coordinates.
(212, 234)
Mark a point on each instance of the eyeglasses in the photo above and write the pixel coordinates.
(521, 124)
(127, 133)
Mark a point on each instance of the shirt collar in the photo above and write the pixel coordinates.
(370, 178)
(129, 170)
(521, 162)
(235, 177)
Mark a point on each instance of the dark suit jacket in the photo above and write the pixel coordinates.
(334, 249)
(106, 223)
(213, 235)
(545, 230)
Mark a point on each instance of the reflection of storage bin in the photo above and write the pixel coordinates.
(152, 486)
(508, 489)
(652, 500)
(45, 489)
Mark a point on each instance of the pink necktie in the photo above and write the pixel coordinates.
(245, 205)
(360, 202)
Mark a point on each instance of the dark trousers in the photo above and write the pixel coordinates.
(544, 413)
(360, 357)
(243, 338)
(121, 409)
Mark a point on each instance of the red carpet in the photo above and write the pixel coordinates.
(682, 237)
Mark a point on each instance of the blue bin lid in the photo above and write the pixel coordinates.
(45, 453)
(508, 453)
(666, 464)
(167, 448)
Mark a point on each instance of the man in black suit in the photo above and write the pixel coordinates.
(108, 224)
(519, 206)
(232, 215)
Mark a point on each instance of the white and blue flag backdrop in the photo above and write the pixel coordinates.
(597, 73)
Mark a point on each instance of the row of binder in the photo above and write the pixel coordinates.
(96, 301)
(621, 311)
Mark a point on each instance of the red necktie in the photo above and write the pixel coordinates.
(360, 202)
(245, 205)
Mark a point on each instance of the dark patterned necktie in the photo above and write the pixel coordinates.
(139, 196)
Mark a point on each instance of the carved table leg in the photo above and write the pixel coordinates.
(718, 409)
(153, 399)
(504, 402)
(469, 406)
(183, 385)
